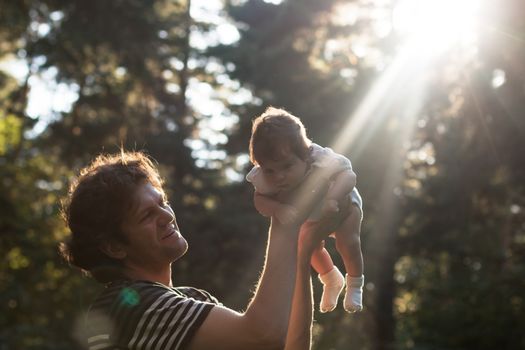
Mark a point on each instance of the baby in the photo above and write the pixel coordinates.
(283, 157)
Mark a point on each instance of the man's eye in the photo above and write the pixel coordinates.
(268, 171)
(146, 216)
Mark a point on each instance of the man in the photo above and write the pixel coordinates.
(125, 234)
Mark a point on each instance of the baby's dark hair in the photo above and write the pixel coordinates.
(276, 132)
(97, 203)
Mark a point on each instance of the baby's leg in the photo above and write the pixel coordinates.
(348, 244)
(321, 260)
(329, 274)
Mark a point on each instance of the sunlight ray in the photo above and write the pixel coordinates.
(404, 71)
(507, 35)
(482, 120)
(399, 92)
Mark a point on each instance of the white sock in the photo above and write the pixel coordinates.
(333, 282)
(353, 301)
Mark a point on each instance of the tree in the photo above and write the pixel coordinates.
(460, 274)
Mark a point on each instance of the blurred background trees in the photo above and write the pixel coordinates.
(430, 111)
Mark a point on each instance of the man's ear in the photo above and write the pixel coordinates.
(113, 249)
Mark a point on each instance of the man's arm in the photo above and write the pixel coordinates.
(264, 324)
(299, 336)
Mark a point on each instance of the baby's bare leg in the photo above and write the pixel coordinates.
(329, 274)
(348, 244)
(321, 260)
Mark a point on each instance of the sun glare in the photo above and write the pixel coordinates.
(437, 25)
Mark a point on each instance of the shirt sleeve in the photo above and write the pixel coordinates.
(256, 178)
(151, 316)
(325, 158)
(198, 294)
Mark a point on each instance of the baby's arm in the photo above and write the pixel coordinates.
(269, 207)
(343, 183)
(265, 205)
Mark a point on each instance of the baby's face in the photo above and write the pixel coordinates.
(286, 172)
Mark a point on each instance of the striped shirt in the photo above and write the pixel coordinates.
(146, 315)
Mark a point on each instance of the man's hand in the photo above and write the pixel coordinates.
(319, 230)
(287, 214)
(330, 207)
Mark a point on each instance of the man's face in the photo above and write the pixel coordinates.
(286, 172)
(153, 237)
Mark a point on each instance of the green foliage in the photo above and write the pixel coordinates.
(462, 237)
(42, 295)
(9, 133)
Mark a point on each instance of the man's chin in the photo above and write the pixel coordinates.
(180, 251)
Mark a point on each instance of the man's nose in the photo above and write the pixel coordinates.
(167, 216)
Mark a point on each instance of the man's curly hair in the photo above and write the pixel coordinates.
(96, 206)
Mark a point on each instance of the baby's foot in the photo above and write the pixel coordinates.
(353, 301)
(333, 282)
